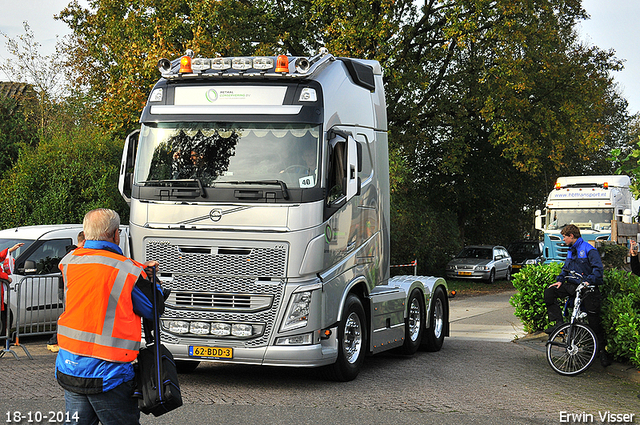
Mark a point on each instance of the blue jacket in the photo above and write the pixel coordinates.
(89, 375)
(584, 259)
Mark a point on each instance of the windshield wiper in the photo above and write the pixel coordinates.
(283, 185)
(171, 182)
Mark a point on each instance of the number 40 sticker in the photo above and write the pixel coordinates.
(307, 181)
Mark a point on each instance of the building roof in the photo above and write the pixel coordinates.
(15, 90)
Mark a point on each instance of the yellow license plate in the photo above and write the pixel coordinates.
(464, 273)
(211, 352)
(516, 266)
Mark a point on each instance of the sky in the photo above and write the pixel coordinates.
(613, 25)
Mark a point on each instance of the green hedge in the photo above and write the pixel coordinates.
(620, 307)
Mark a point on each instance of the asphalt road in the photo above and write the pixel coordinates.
(479, 377)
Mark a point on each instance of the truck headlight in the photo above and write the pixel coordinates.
(298, 311)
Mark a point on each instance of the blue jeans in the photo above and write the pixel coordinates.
(115, 407)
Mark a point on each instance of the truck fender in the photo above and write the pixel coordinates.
(427, 285)
(357, 286)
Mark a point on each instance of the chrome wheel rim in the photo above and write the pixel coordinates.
(415, 320)
(352, 338)
(438, 318)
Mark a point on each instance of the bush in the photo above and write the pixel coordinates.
(66, 175)
(531, 282)
(620, 306)
(620, 314)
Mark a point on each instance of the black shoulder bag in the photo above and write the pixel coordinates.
(157, 389)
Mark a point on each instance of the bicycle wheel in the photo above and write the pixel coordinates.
(572, 357)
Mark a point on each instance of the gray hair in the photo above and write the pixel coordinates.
(100, 224)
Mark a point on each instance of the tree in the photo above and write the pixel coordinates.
(116, 45)
(501, 99)
(44, 73)
(627, 157)
(488, 101)
(17, 131)
(62, 178)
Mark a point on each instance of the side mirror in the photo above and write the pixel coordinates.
(30, 267)
(538, 224)
(125, 179)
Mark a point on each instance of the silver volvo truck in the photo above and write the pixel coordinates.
(261, 185)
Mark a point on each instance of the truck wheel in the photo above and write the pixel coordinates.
(414, 324)
(352, 338)
(438, 314)
(186, 366)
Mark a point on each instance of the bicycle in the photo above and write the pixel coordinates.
(572, 347)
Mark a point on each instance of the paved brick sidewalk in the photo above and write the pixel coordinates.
(29, 379)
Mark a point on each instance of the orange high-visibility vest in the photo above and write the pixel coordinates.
(98, 320)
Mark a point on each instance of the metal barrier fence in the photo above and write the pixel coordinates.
(35, 312)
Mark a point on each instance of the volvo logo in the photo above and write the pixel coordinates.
(215, 214)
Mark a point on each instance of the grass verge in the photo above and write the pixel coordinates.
(471, 288)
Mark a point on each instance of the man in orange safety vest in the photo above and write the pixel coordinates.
(99, 333)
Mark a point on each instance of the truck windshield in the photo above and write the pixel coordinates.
(584, 219)
(214, 154)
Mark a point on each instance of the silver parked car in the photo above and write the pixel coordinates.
(485, 262)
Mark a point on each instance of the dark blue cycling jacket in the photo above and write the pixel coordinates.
(584, 259)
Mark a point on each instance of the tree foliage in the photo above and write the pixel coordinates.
(62, 178)
(44, 73)
(627, 157)
(17, 131)
(488, 101)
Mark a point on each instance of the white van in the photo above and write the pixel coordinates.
(36, 272)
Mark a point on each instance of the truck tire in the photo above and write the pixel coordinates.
(414, 323)
(352, 341)
(434, 336)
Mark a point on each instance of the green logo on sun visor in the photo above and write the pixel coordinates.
(211, 95)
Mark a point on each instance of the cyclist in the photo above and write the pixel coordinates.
(585, 260)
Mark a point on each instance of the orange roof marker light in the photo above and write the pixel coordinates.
(185, 65)
(558, 185)
(282, 64)
(605, 185)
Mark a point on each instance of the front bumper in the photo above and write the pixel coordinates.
(466, 274)
(314, 355)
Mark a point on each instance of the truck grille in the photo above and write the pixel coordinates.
(230, 284)
(219, 301)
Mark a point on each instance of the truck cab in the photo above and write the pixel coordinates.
(261, 185)
(589, 202)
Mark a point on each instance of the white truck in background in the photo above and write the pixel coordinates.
(589, 202)
(36, 276)
(261, 185)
